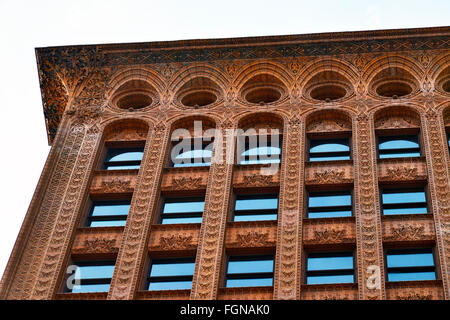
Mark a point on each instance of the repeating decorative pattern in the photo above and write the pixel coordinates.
(38, 239)
(368, 224)
(62, 232)
(212, 233)
(439, 190)
(289, 248)
(74, 84)
(132, 252)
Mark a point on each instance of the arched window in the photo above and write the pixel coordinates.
(329, 149)
(259, 140)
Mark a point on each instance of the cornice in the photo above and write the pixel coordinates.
(65, 71)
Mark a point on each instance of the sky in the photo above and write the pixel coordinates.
(25, 25)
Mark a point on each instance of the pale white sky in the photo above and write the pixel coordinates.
(25, 25)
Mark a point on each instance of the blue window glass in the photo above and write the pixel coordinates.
(108, 213)
(329, 149)
(404, 201)
(171, 274)
(256, 207)
(191, 153)
(123, 158)
(398, 146)
(329, 204)
(184, 210)
(92, 276)
(249, 271)
(336, 267)
(260, 150)
(410, 265)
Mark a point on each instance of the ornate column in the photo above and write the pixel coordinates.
(41, 213)
(437, 164)
(287, 275)
(66, 215)
(132, 252)
(212, 233)
(371, 284)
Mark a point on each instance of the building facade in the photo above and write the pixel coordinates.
(314, 167)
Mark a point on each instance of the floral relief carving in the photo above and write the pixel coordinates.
(175, 241)
(257, 180)
(186, 183)
(329, 235)
(414, 296)
(253, 239)
(327, 125)
(407, 232)
(401, 173)
(100, 245)
(116, 185)
(329, 176)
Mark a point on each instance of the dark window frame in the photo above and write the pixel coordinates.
(110, 164)
(398, 150)
(329, 139)
(405, 205)
(208, 141)
(249, 275)
(194, 214)
(411, 269)
(167, 279)
(255, 211)
(90, 218)
(331, 272)
(92, 281)
(330, 208)
(240, 159)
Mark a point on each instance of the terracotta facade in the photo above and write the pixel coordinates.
(355, 84)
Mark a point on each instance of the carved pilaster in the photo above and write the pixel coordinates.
(67, 214)
(287, 275)
(437, 164)
(135, 239)
(212, 233)
(368, 222)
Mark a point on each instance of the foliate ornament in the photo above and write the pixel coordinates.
(186, 183)
(295, 95)
(401, 173)
(116, 185)
(329, 176)
(175, 241)
(257, 180)
(230, 97)
(407, 232)
(253, 239)
(99, 245)
(85, 115)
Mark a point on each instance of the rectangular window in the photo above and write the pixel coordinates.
(191, 153)
(249, 271)
(171, 274)
(323, 268)
(108, 213)
(256, 207)
(404, 201)
(182, 210)
(123, 158)
(259, 149)
(329, 149)
(410, 265)
(329, 204)
(92, 276)
(398, 146)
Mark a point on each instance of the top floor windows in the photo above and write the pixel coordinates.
(191, 153)
(123, 158)
(398, 146)
(329, 149)
(259, 149)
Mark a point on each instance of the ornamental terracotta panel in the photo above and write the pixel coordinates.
(97, 241)
(251, 176)
(329, 231)
(184, 179)
(402, 170)
(176, 238)
(252, 234)
(420, 290)
(113, 182)
(250, 293)
(408, 228)
(329, 173)
(330, 292)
